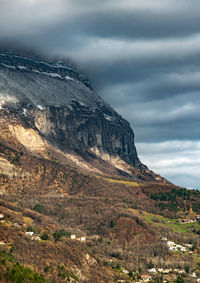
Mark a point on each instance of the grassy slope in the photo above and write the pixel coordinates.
(161, 221)
(127, 183)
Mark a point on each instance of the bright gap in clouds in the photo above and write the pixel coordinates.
(177, 161)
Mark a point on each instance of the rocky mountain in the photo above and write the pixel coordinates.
(76, 203)
(59, 104)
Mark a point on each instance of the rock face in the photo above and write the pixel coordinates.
(61, 105)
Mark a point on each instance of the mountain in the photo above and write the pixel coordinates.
(59, 104)
(76, 203)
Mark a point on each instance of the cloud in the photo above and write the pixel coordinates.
(142, 56)
(112, 50)
(23, 18)
(179, 161)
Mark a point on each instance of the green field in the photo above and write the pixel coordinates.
(158, 220)
(127, 183)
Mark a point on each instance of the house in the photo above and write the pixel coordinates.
(181, 271)
(29, 233)
(189, 245)
(73, 236)
(1, 216)
(152, 270)
(82, 239)
(193, 275)
(125, 271)
(188, 221)
(164, 239)
(36, 238)
(166, 271)
(181, 248)
(175, 247)
(2, 243)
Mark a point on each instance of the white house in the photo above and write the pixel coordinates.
(181, 271)
(175, 247)
(166, 271)
(125, 271)
(152, 270)
(164, 239)
(193, 275)
(1, 216)
(73, 237)
(82, 239)
(29, 233)
(36, 238)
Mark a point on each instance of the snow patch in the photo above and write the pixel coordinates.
(8, 66)
(24, 111)
(36, 71)
(68, 78)
(21, 67)
(107, 117)
(53, 75)
(40, 107)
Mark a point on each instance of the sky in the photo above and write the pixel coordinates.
(142, 57)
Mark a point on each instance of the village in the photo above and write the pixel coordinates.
(32, 236)
(167, 274)
(193, 219)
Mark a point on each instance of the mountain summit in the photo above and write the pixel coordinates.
(50, 104)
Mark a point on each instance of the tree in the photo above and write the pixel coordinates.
(45, 236)
(39, 208)
(187, 269)
(180, 279)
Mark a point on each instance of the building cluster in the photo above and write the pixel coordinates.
(81, 239)
(32, 236)
(189, 220)
(177, 247)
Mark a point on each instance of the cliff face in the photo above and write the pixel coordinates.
(60, 104)
(80, 130)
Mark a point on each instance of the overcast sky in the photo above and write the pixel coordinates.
(142, 56)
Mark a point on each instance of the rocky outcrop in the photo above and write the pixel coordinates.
(103, 132)
(61, 105)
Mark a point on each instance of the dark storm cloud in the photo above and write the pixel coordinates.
(142, 56)
(169, 119)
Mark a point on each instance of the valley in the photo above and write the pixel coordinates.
(124, 231)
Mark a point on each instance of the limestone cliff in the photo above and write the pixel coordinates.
(59, 103)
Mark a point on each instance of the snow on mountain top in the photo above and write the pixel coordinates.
(57, 69)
